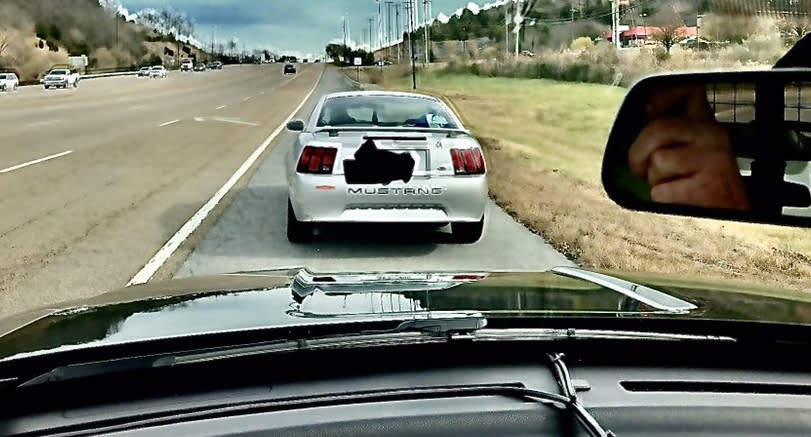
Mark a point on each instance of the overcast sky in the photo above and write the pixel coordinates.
(300, 26)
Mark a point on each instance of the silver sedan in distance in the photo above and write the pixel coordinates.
(385, 157)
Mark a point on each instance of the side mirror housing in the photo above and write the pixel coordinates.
(295, 125)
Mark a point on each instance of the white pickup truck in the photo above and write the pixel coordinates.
(61, 78)
(187, 65)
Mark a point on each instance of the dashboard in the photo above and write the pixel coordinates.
(440, 390)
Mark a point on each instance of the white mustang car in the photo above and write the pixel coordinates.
(385, 157)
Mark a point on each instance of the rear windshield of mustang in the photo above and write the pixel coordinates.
(387, 111)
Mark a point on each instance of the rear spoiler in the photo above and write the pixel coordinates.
(334, 131)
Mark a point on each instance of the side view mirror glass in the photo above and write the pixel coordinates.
(295, 125)
(726, 145)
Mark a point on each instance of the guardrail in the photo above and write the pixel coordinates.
(120, 73)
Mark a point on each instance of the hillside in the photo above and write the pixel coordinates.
(34, 35)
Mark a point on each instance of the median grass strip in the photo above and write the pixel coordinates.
(544, 142)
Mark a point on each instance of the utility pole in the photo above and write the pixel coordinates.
(413, 58)
(116, 28)
(397, 33)
(698, 30)
(371, 47)
(506, 29)
(426, 17)
(519, 18)
(389, 6)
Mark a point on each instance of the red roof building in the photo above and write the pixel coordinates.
(647, 33)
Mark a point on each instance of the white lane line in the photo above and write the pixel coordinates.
(183, 233)
(222, 106)
(247, 98)
(41, 123)
(36, 161)
(230, 120)
(168, 123)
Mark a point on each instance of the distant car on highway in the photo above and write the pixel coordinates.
(385, 157)
(187, 65)
(217, 65)
(9, 81)
(289, 69)
(61, 78)
(158, 72)
(200, 67)
(143, 72)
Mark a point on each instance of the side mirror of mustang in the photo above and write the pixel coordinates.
(295, 125)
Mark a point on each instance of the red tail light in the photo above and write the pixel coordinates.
(467, 161)
(317, 160)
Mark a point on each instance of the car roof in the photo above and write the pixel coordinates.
(380, 94)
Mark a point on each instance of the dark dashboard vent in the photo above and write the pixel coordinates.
(717, 387)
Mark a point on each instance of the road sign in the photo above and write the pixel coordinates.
(358, 61)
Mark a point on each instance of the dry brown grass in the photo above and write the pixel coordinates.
(544, 170)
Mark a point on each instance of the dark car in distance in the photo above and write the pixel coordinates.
(289, 69)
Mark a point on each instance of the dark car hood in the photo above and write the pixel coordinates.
(278, 299)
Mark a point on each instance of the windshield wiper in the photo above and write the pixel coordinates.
(561, 373)
(437, 325)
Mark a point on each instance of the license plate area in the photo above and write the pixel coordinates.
(384, 162)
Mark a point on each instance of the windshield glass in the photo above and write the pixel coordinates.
(389, 111)
(466, 141)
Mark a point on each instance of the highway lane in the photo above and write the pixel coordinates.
(86, 222)
(250, 234)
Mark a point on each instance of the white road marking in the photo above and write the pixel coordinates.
(36, 161)
(41, 123)
(168, 123)
(223, 106)
(247, 98)
(183, 233)
(231, 120)
(199, 119)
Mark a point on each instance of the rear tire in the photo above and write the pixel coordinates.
(297, 232)
(467, 233)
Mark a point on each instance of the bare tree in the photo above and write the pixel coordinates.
(166, 20)
(4, 43)
(794, 27)
(150, 18)
(670, 27)
(111, 5)
(232, 44)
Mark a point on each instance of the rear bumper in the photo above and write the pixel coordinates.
(443, 199)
